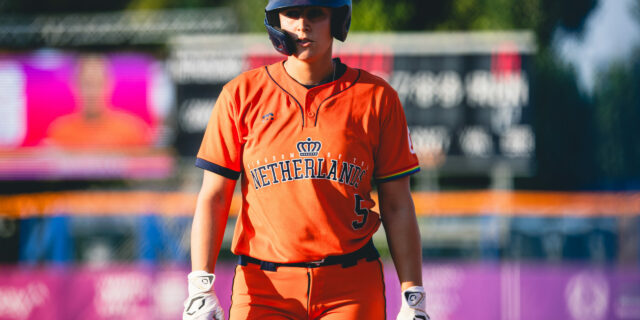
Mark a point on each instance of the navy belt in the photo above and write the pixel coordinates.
(367, 252)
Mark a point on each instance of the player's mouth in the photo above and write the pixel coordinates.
(304, 42)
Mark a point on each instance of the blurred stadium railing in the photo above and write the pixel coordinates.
(598, 228)
(142, 27)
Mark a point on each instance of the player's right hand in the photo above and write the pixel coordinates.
(202, 303)
(413, 305)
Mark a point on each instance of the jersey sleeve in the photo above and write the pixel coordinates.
(395, 156)
(221, 148)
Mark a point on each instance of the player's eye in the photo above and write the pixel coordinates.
(316, 14)
(293, 13)
(313, 14)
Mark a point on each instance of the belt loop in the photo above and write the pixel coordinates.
(372, 253)
(373, 257)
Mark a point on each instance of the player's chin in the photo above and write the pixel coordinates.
(304, 55)
(307, 54)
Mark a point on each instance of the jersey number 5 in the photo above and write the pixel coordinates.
(364, 212)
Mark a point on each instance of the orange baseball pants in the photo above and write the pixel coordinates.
(327, 292)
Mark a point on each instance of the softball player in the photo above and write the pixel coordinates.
(306, 136)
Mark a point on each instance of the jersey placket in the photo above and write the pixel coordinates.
(313, 101)
(310, 101)
(309, 109)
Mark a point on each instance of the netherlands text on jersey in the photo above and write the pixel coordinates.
(307, 167)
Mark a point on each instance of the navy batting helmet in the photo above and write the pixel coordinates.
(340, 20)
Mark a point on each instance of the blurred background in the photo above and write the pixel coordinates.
(524, 114)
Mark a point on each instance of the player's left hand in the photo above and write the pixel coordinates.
(413, 305)
(202, 303)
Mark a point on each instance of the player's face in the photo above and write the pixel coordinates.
(310, 28)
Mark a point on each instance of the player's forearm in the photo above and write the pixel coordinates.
(403, 237)
(207, 232)
(401, 228)
(209, 221)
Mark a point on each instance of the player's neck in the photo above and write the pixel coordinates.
(310, 72)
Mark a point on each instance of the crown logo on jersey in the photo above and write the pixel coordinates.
(309, 148)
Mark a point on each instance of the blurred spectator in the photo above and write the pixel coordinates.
(97, 124)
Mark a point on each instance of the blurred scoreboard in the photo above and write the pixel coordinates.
(87, 96)
(84, 115)
(466, 95)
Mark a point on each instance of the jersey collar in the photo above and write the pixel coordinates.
(280, 76)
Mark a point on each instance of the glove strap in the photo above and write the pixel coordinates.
(414, 298)
(200, 282)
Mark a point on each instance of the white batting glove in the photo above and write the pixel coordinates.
(202, 303)
(413, 305)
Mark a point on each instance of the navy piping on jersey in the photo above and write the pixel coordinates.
(341, 69)
(298, 103)
(287, 92)
(327, 98)
(225, 172)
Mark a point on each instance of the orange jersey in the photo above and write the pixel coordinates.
(306, 158)
(110, 129)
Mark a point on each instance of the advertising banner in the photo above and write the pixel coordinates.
(454, 291)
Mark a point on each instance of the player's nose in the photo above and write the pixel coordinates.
(303, 24)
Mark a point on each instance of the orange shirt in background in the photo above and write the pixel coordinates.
(109, 129)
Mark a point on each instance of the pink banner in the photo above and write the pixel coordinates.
(454, 291)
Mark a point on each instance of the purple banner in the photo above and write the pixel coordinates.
(454, 291)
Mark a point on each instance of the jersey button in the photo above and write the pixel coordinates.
(311, 114)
